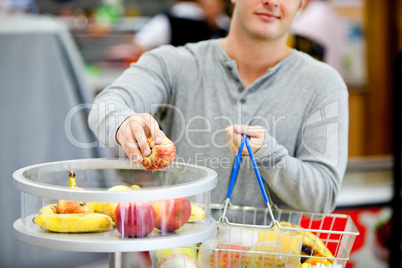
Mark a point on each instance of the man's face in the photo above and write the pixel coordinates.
(265, 20)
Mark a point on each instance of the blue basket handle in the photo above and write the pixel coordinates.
(236, 167)
(257, 172)
(246, 140)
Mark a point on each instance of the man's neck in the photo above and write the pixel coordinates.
(254, 58)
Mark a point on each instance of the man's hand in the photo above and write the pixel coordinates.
(234, 134)
(133, 133)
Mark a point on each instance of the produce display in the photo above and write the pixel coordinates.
(131, 219)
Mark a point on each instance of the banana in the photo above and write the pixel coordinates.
(49, 220)
(48, 209)
(311, 241)
(71, 179)
(197, 214)
(98, 207)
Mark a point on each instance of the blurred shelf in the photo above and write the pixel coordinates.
(368, 181)
(370, 163)
(125, 24)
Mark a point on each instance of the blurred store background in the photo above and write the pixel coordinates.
(57, 54)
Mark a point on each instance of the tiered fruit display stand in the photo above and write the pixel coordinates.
(47, 183)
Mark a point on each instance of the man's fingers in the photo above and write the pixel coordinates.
(134, 154)
(128, 142)
(153, 127)
(251, 131)
(229, 134)
(256, 134)
(234, 140)
(133, 135)
(140, 137)
(229, 138)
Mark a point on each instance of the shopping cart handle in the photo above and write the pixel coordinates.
(257, 173)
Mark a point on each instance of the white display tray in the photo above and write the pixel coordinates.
(111, 241)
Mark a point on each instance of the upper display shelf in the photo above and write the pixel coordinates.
(95, 176)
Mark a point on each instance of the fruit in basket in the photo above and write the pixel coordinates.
(135, 219)
(311, 243)
(110, 208)
(275, 249)
(162, 155)
(262, 256)
(73, 207)
(176, 257)
(315, 259)
(197, 214)
(49, 220)
(229, 256)
(171, 214)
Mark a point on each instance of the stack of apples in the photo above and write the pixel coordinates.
(138, 219)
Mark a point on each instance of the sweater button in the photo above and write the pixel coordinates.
(240, 89)
(242, 101)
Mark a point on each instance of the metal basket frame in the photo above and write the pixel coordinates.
(337, 231)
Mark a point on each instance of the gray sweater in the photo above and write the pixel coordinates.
(195, 92)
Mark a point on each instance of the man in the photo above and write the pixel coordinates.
(206, 95)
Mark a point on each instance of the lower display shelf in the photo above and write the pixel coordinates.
(111, 240)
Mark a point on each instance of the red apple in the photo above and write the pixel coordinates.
(110, 208)
(135, 219)
(171, 214)
(73, 207)
(162, 155)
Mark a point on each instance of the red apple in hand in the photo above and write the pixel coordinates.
(135, 219)
(73, 207)
(162, 155)
(171, 214)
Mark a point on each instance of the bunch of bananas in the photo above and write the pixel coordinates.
(312, 245)
(72, 216)
(50, 220)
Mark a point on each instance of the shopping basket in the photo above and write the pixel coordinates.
(272, 237)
